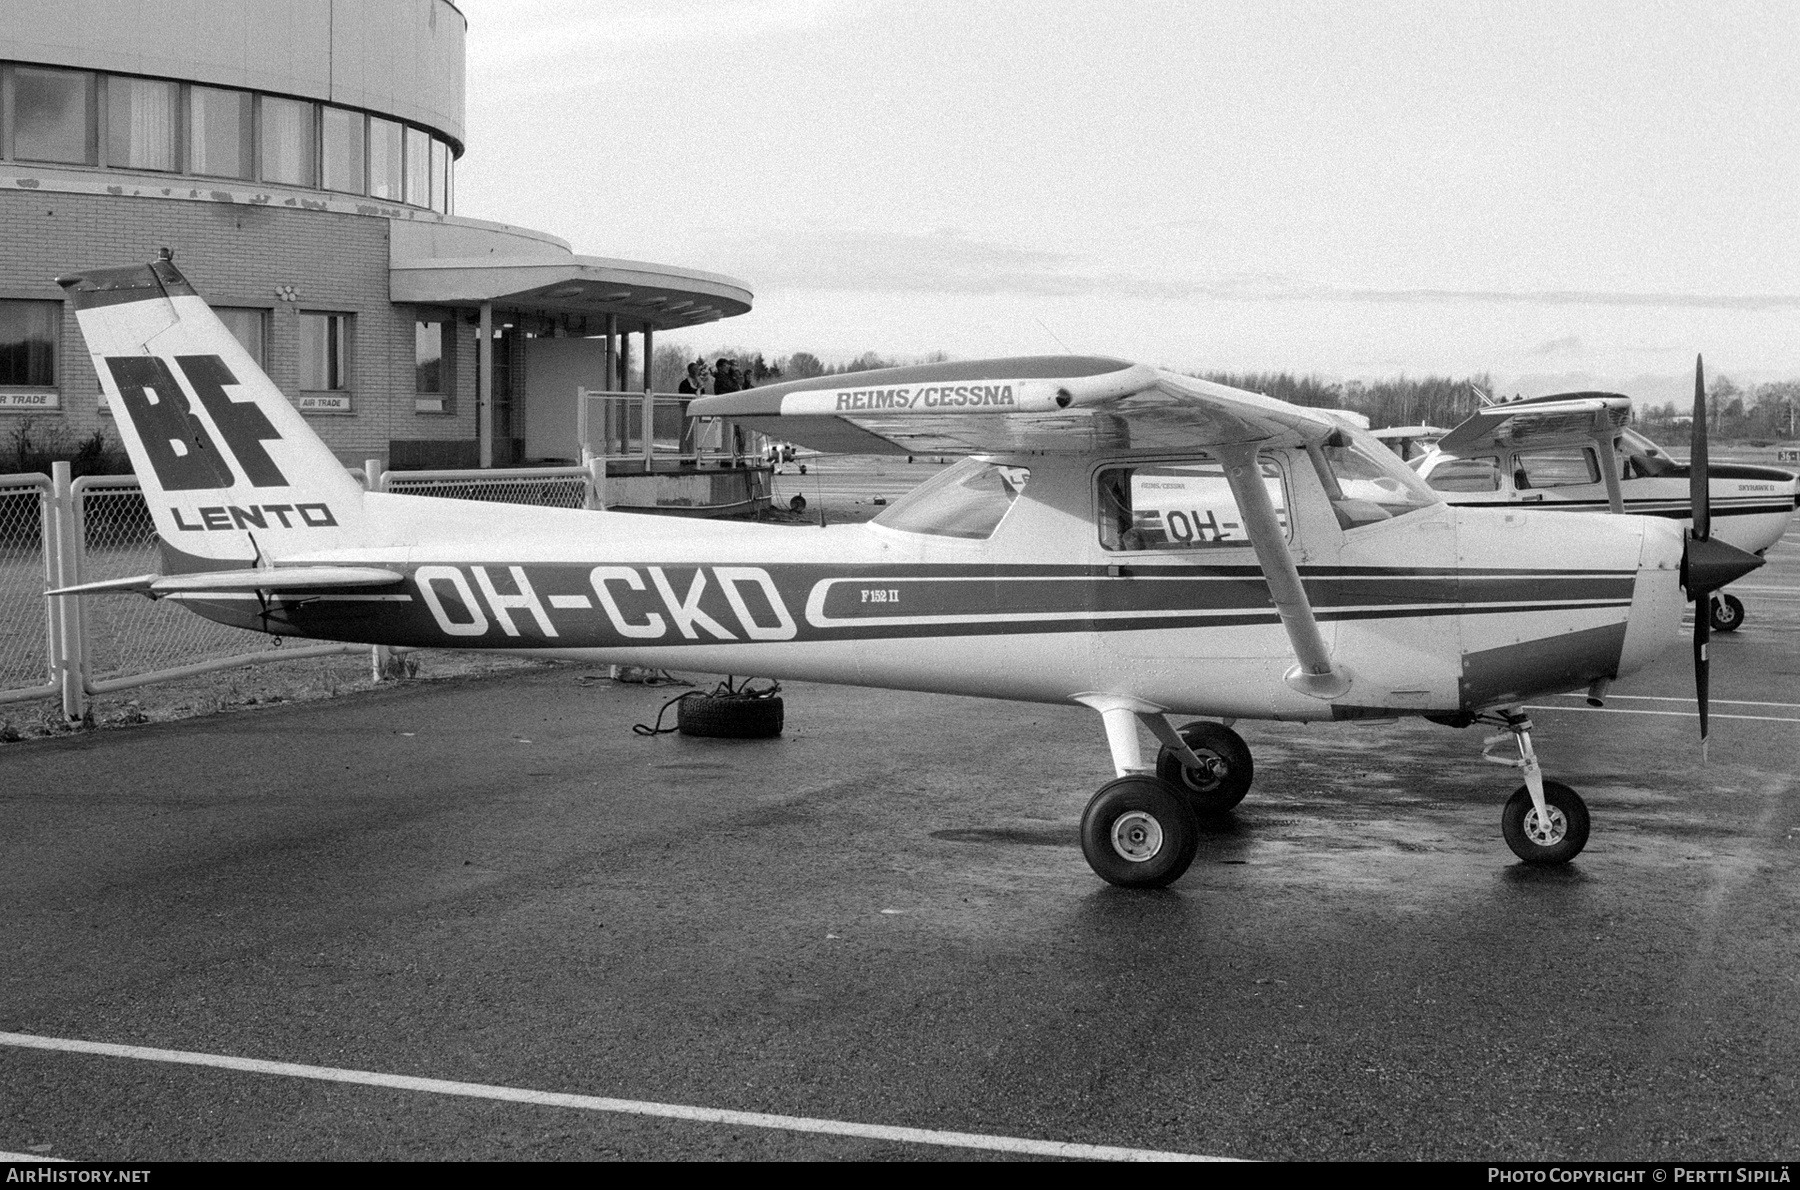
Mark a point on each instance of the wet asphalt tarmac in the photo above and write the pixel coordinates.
(883, 917)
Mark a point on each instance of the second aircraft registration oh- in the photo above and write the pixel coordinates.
(1137, 542)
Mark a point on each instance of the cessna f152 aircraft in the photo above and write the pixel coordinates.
(1137, 542)
(1573, 452)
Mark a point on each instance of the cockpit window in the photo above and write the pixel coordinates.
(1177, 506)
(968, 500)
(1643, 458)
(1367, 483)
(1555, 467)
(1478, 474)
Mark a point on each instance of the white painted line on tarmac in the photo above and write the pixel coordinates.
(27, 1157)
(1677, 714)
(672, 1111)
(1717, 702)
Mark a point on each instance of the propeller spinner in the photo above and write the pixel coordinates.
(1706, 565)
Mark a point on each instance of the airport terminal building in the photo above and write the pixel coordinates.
(299, 158)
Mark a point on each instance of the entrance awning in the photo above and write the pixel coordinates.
(659, 296)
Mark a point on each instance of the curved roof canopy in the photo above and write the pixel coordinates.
(660, 296)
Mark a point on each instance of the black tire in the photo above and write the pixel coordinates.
(1228, 774)
(797, 504)
(730, 716)
(1138, 832)
(1568, 832)
(1727, 613)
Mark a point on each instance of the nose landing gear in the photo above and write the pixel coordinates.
(1544, 822)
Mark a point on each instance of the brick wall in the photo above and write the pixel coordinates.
(236, 254)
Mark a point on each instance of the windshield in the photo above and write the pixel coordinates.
(1643, 458)
(968, 500)
(1367, 482)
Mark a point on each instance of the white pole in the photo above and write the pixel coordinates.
(649, 402)
(71, 662)
(484, 366)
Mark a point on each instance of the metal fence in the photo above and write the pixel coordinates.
(545, 487)
(27, 630)
(57, 532)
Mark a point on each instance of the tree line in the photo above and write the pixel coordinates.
(1766, 412)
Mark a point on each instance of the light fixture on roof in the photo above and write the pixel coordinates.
(567, 291)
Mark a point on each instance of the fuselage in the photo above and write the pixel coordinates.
(1024, 592)
(1750, 506)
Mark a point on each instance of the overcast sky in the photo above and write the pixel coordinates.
(1556, 193)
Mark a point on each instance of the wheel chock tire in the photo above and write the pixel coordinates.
(730, 716)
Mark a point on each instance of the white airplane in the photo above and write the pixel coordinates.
(1573, 452)
(1133, 541)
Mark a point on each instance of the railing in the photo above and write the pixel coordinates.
(544, 487)
(610, 425)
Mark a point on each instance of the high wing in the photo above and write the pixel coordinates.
(1038, 404)
(1064, 405)
(1540, 420)
(312, 579)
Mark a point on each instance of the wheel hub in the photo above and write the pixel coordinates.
(1212, 771)
(1546, 833)
(1136, 836)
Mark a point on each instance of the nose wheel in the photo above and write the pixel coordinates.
(1544, 822)
(1555, 836)
(1727, 612)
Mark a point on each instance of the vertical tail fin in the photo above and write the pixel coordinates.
(231, 471)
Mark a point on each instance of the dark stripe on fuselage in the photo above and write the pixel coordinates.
(618, 605)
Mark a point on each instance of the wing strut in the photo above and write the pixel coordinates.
(1314, 675)
(1606, 440)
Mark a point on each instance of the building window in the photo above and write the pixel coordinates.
(53, 115)
(386, 176)
(289, 144)
(249, 327)
(430, 347)
(343, 156)
(418, 168)
(219, 132)
(440, 176)
(28, 335)
(324, 352)
(140, 123)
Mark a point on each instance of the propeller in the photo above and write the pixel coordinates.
(1706, 565)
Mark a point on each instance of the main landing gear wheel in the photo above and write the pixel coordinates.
(1537, 841)
(1138, 832)
(1225, 776)
(1727, 613)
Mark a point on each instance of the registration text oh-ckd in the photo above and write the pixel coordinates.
(699, 603)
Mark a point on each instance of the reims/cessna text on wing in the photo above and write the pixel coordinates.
(1574, 452)
(1144, 544)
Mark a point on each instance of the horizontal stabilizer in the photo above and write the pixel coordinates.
(289, 578)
